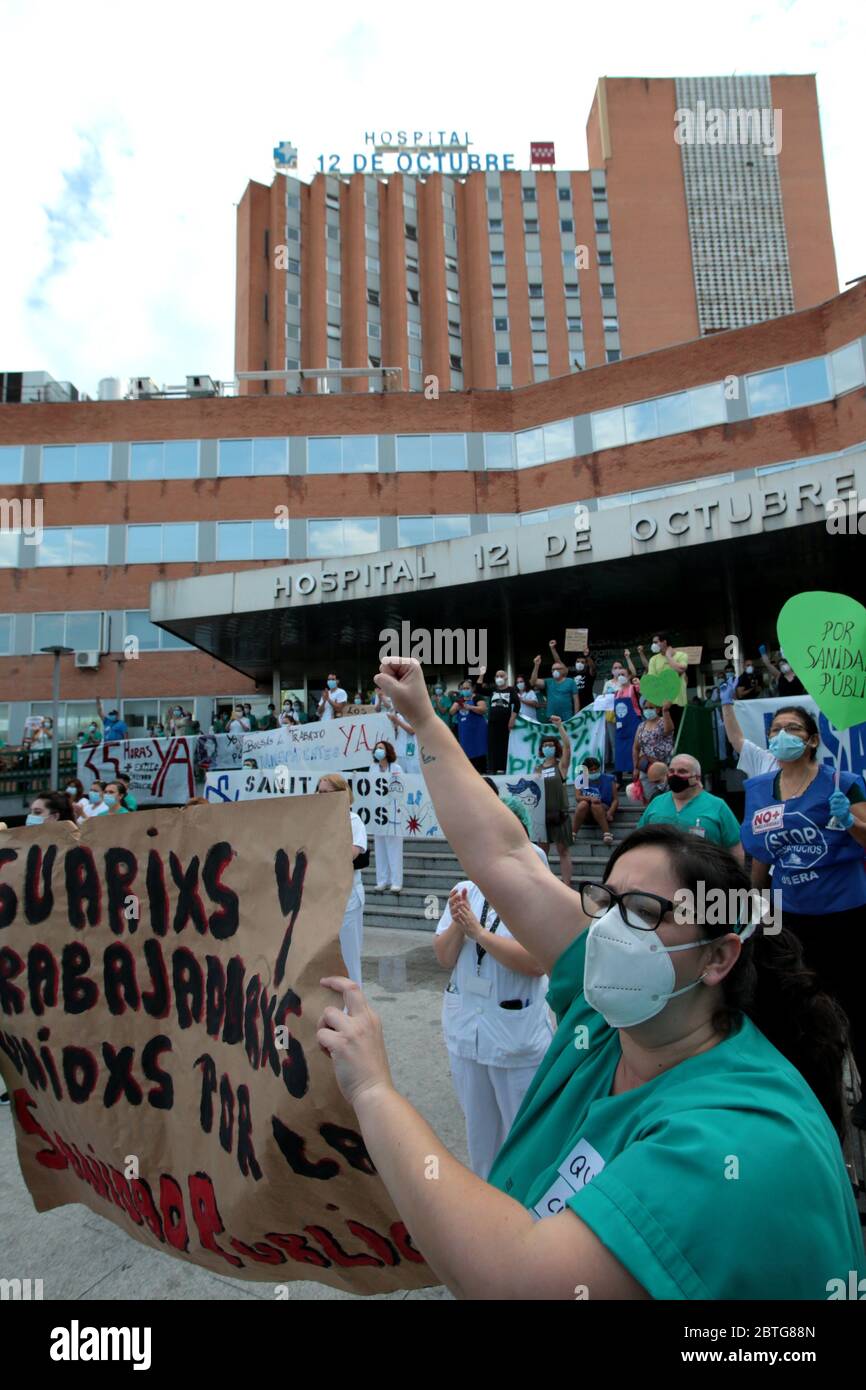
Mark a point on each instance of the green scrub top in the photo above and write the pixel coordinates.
(722, 1178)
(715, 815)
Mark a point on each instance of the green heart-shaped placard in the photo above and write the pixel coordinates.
(823, 636)
(664, 686)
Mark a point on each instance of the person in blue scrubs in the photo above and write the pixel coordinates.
(819, 871)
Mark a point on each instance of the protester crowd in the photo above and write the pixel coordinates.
(508, 937)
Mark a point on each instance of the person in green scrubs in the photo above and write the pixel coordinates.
(677, 1140)
(686, 805)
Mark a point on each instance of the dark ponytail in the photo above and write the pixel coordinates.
(771, 981)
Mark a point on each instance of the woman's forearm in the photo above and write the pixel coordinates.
(470, 1234)
(447, 946)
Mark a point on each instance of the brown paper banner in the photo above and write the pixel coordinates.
(159, 996)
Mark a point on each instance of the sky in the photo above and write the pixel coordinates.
(130, 135)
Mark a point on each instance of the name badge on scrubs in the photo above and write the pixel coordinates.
(768, 818)
(474, 985)
(580, 1167)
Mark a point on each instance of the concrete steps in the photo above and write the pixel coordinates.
(431, 869)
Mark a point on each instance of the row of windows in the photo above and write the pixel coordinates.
(779, 388)
(83, 632)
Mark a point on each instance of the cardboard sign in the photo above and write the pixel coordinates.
(694, 654)
(576, 639)
(158, 1039)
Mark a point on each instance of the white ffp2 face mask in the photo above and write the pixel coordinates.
(628, 975)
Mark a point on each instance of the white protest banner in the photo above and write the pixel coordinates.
(585, 730)
(330, 744)
(161, 771)
(756, 716)
(389, 806)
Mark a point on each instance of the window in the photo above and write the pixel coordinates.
(454, 327)
(605, 258)
(452, 296)
(6, 634)
(244, 458)
(417, 453)
(371, 232)
(413, 296)
(76, 463)
(612, 354)
(73, 716)
(503, 359)
(81, 631)
(176, 458)
(335, 362)
(9, 550)
(351, 535)
(566, 224)
(11, 463)
(558, 440)
(332, 200)
(565, 195)
(529, 195)
(530, 448)
(498, 451)
(497, 258)
(537, 323)
(500, 325)
(372, 264)
(411, 231)
(599, 195)
(374, 361)
(411, 265)
(641, 421)
(65, 545)
(161, 544)
(602, 224)
(293, 298)
(334, 298)
(539, 359)
(807, 381)
(421, 530)
(608, 292)
(293, 266)
(533, 259)
(536, 291)
(451, 264)
(673, 414)
(707, 405)
(373, 297)
(332, 265)
(251, 540)
(352, 453)
(335, 331)
(374, 330)
(499, 291)
(494, 224)
(573, 324)
(456, 362)
(150, 637)
(846, 365)
(414, 329)
(415, 363)
(530, 224)
(608, 428)
(293, 233)
(610, 325)
(409, 200)
(450, 231)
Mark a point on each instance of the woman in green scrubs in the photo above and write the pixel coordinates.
(666, 1148)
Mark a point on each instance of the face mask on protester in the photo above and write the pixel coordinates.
(71, 791)
(785, 747)
(500, 681)
(594, 776)
(783, 666)
(379, 754)
(677, 783)
(440, 690)
(578, 665)
(557, 675)
(33, 819)
(629, 975)
(655, 647)
(110, 799)
(549, 750)
(94, 795)
(750, 670)
(649, 712)
(467, 690)
(521, 685)
(622, 680)
(332, 685)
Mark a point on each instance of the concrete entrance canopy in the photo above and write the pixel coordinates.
(267, 619)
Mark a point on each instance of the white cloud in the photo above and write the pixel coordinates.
(181, 105)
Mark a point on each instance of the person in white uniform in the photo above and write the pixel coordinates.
(389, 848)
(334, 699)
(352, 930)
(752, 760)
(494, 1016)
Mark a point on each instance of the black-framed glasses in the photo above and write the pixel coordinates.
(643, 911)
